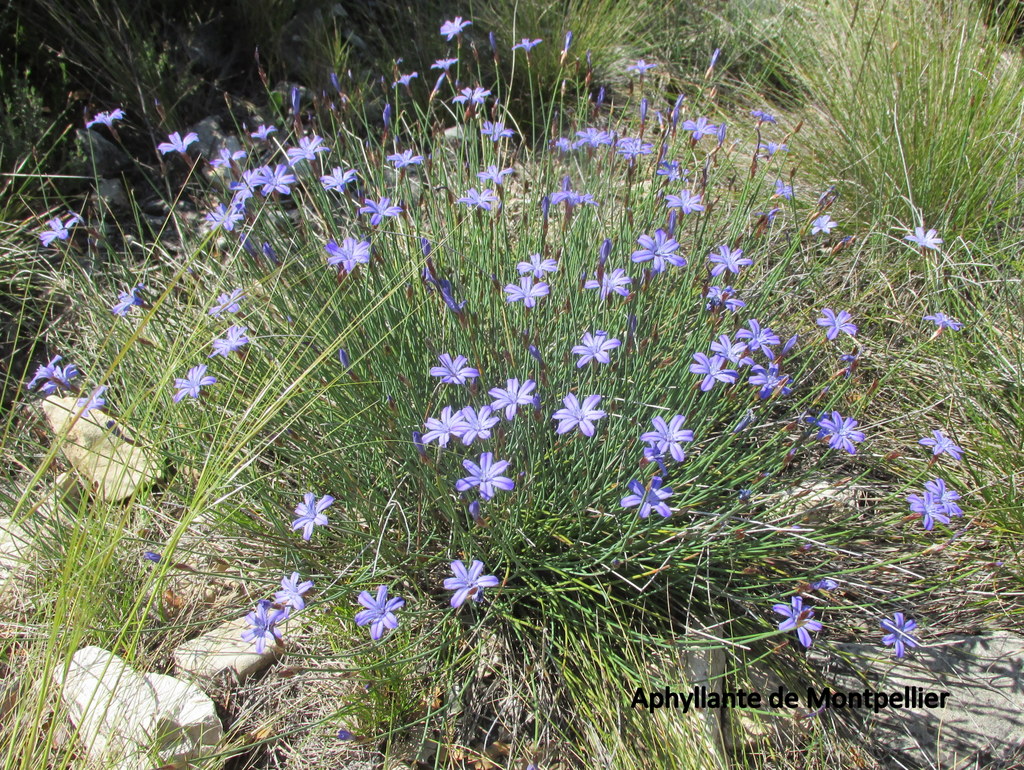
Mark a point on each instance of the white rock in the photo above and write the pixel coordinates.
(135, 721)
(223, 649)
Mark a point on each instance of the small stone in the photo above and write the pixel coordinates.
(208, 656)
(132, 721)
(101, 448)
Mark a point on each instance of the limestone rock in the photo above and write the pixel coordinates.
(101, 448)
(223, 650)
(135, 721)
(982, 724)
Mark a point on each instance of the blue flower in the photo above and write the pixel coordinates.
(941, 444)
(759, 338)
(686, 202)
(526, 44)
(126, 300)
(943, 321)
(798, 619)
(485, 476)
(379, 209)
(234, 338)
(512, 396)
(379, 613)
(454, 27)
(476, 424)
(263, 622)
(538, 266)
(454, 371)
(728, 259)
(292, 591)
(648, 499)
(441, 429)
(59, 231)
(469, 583)
(190, 384)
(713, 370)
(926, 240)
(227, 303)
(822, 224)
(700, 128)
(175, 143)
(837, 323)
(659, 250)
(668, 437)
(405, 158)
(276, 180)
(493, 175)
(527, 291)
(612, 281)
(485, 199)
(595, 347)
(576, 415)
(106, 118)
(840, 431)
(641, 67)
(338, 180)
(310, 513)
(94, 400)
(349, 254)
(50, 376)
(496, 131)
(899, 633)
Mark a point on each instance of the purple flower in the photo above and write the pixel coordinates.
(641, 67)
(263, 133)
(379, 613)
(338, 180)
(943, 321)
(526, 44)
(713, 370)
(512, 396)
(493, 175)
(310, 513)
(825, 584)
(405, 158)
(454, 372)
(762, 116)
(225, 157)
(234, 338)
(770, 381)
(538, 266)
(50, 376)
(758, 338)
(658, 250)
(59, 231)
(686, 201)
(476, 424)
(700, 128)
(930, 508)
(475, 95)
(485, 476)
(454, 27)
(733, 352)
(940, 444)
(106, 118)
(595, 347)
(175, 143)
(379, 209)
(94, 400)
(496, 131)
(349, 254)
(944, 496)
(840, 431)
(783, 190)
(668, 437)
(631, 147)
(263, 622)
(485, 199)
(728, 259)
(277, 180)
(822, 224)
(405, 80)
(292, 590)
(126, 300)
(926, 240)
(719, 296)
(527, 291)
(190, 384)
(673, 171)
(768, 149)
(226, 303)
(225, 217)
(467, 583)
(307, 150)
(593, 137)
(576, 415)
(648, 499)
(612, 281)
(798, 619)
(443, 64)
(837, 323)
(151, 556)
(444, 427)
(899, 633)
